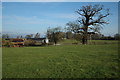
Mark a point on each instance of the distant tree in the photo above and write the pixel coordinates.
(49, 34)
(18, 37)
(73, 27)
(77, 36)
(55, 34)
(21, 36)
(117, 36)
(95, 36)
(29, 36)
(91, 17)
(37, 35)
(107, 38)
(110, 38)
(5, 36)
(69, 35)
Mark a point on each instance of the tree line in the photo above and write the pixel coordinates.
(57, 34)
(37, 35)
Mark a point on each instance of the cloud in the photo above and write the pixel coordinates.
(15, 23)
(19, 20)
(36, 20)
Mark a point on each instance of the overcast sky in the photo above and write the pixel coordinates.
(33, 17)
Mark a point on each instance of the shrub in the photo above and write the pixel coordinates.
(29, 43)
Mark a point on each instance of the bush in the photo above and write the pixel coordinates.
(7, 44)
(29, 43)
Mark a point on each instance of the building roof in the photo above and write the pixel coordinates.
(17, 40)
(18, 43)
(36, 38)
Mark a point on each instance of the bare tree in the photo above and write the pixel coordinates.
(117, 36)
(18, 37)
(37, 35)
(91, 18)
(21, 36)
(73, 26)
(55, 34)
(5, 36)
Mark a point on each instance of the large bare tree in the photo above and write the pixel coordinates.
(91, 17)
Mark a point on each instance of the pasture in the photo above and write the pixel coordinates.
(62, 61)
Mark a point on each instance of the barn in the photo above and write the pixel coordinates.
(17, 42)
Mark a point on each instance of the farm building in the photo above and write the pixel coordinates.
(20, 42)
(14, 42)
(17, 42)
(39, 40)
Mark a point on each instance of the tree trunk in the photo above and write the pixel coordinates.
(84, 39)
(85, 35)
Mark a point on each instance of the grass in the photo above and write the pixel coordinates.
(63, 61)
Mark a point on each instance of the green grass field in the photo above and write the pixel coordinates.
(63, 61)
